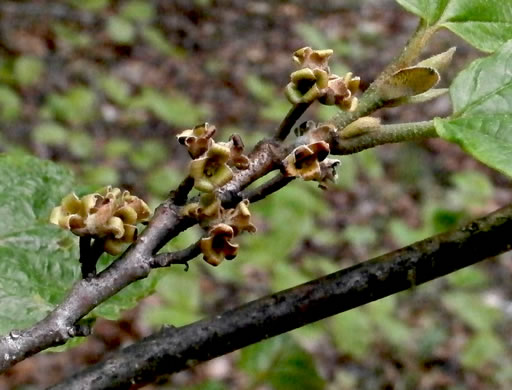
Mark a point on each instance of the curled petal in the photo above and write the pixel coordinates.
(304, 160)
(210, 172)
(313, 59)
(114, 247)
(217, 246)
(239, 218)
(237, 158)
(115, 227)
(328, 173)
(197, 140)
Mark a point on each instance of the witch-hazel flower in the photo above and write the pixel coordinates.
(304, 161)
(109, 214)
(197, 140)
(211, 170)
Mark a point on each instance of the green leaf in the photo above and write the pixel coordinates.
(486, 24)
(472, 310)
(116, 89)
(281, 363)
(430, 10)
(28, 70)
(159, 42)
(10, 104)
(100, 175)
(120, 30)
(50, 134)
(34, 274)
(150, 153)
(138, 11)
(470, 277)
(180, 296)
(162, 180)
(353, 332)
(175, 108)
(482, 101)
(71, 36)
(91, 5)
(481, 349)
(76, 106)
(39, 261)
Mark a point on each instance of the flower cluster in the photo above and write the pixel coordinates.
(109, 214)
(314, 81)
(212, 162)
(217, 246)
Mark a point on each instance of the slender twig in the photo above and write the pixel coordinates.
(385, 134)
(179, 196)
(275, 184)
(290, 119)
(172, 350)
(179, 257)
(371, 101)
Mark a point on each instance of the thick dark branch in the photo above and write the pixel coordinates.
(172, 350)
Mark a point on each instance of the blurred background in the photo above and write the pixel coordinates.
(103, 86)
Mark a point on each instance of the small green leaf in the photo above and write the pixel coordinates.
(28, 70)
(81, 144)
(174, 108)
(353, 332)
(71, 36)
(482, 101)
(76, 106)
(281, 363)
(430, 10)
(150, 153)
(91, 5)
(180, 294)
(120, 30)
(100, 176)
(482, 348)
(472, 310)
(51, 134)
(162, 180)
(486, 24)
(470, 277)
(116, 89)
(138, 11)
(117, 148)
(260, 89)
(10, 104)
(159, 42)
